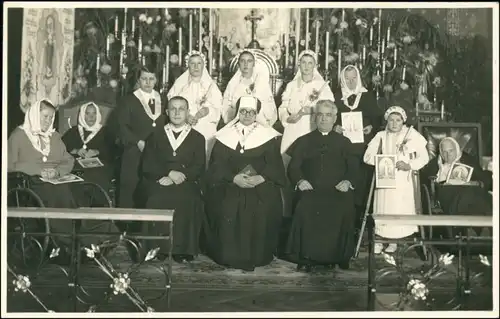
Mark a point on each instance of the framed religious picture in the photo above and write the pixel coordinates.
(385, 171)
(352, 123)
(90, 162)
(69, 178)
(459, 174)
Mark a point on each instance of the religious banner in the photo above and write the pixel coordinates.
(47, 55)
(235, 25)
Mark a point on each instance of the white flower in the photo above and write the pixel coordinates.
(376, 79)
(389, 259)
(422, 99)
(158, 18)
(375, 20)
(374, 55)
(92, 308)
(22, 283)
(484, 260)
(407, 39)
(149, 20)
(120, 284)
(302, 42)
(168, 17)
(437, 81)
(105, 68)
(334, 20)
(418, 289)
(388, 88)
(391, 45)
(150, 309)
(113, 83)
(50, 311)
(152, 254)
(446, 259)
(343, 25)
(330, 59)
(131, 44)
(183, 13)
(230, 46)
(143, 17)
(174, 59)
(111, 38)
(55, 252)
(89, 252)
(124, 70)
(359, 22)
(156, 49)
(95, 248)
(147, 48)
(352, 57)
(403, 86)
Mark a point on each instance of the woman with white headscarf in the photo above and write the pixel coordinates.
(90, 139)
(244, 205)
(251, 79)
(299, 98)
(353, 98)
(453, 198)
(409, 147)
(203, 95)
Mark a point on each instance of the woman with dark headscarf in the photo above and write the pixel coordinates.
(244, 205)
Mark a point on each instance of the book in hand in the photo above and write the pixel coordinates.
(91, 162)
(69, 178)
(249, 171)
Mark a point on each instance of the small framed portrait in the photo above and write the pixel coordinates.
(385, 171)
(90, 162)
(459, 174)
(69, 178)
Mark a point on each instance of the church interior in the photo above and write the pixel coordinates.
(434, 63)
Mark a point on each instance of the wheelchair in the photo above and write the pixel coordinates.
(20, 193)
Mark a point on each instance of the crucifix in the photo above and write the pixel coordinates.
(254, 18)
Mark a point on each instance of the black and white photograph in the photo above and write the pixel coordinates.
(250, 158)
(385, 170)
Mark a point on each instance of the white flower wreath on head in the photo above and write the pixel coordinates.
(195, 53)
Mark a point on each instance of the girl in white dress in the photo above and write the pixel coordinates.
(299, 98)
(409, 146)
(203, 95)
(251, 79)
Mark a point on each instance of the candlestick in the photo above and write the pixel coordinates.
(307, 29)
(143, 60)
(327, 50)
(133, 27)
(98, 66)
(388, 34)
(395, 57)
(339, 64)
(167, 63)
(442, 110)
(404, 72)
(343, 15)
(416, 108)
(116, 27)
(316, 45)
(180, 46)
(139, 47)
(221, 50)
(287, 48)
(190, 32)
(210, 42)
(297, 39)
(379, 26)
(382, 48)
(383, 69)
(363, 55)
(200, 27)
(371, 35)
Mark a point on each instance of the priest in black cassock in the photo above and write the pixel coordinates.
(244, 204)
(353, 97)
(323, 168)
(172, 165)
(138, 115)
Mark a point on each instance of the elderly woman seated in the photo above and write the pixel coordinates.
(458, 198)
(91, 143)
(37, 150)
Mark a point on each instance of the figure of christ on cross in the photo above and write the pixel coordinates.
(253, 17)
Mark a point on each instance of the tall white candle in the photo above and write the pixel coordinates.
(210, 42)
(395, 56)
(307, 29)
(116, 26)
(404, 73)
(442, 110)
(383, 67)
(316, 45)
(167, 63)
(180, 46)
(97, 67)
(388, 34)
(125, 19)
(363, 55)
(143, 60)
(107, 47)
(371, 35)
(287, 47)
(133, 27)
(200, 27)
(139, 47)
(343, 15)
(221, 50)
(327, 49)
(339, 64)
(297, 39)
(190, 32)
